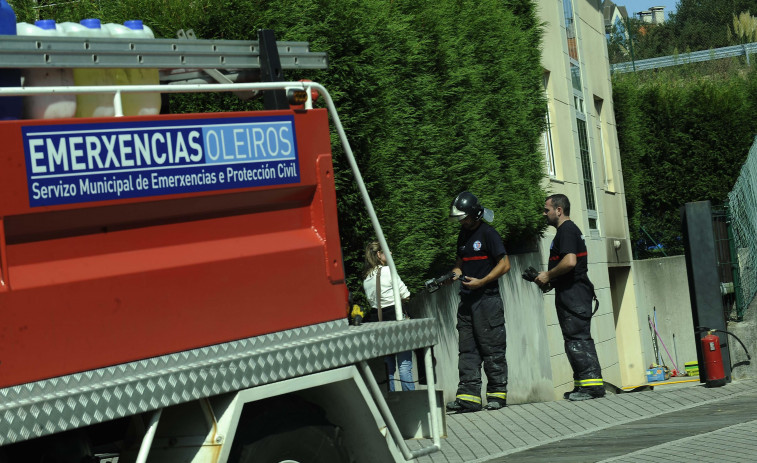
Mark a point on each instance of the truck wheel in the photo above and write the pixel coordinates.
(307, 444)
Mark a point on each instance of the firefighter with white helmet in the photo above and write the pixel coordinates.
(482, 258)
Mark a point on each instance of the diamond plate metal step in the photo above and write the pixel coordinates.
(58, 404)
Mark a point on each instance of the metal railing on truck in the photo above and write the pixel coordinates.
(195, 57)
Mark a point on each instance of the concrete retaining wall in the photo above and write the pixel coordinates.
(746, 330)
(662, 287)
(534, 342)
(528, 356)
(662, 283)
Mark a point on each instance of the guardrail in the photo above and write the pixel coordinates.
(686, 58)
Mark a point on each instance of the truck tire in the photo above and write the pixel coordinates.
(286, 429)
(307, 444)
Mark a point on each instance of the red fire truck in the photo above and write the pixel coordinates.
(172, 286)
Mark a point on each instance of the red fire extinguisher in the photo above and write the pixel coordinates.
(713, 360)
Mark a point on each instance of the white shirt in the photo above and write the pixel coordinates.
(387, 295)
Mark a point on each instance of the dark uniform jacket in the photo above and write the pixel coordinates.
(480, 250)
(568, 240)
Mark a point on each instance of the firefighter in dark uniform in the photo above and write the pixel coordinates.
(481, 260)
(574, 292)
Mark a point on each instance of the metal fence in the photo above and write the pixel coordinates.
(728, 263)
(743, 218)
(692, 32)
(687, 58)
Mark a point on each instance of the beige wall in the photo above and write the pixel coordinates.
(530, 364)
(538, 368)
(663, 287)
(615, 327)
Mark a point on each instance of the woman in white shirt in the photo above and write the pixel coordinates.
(375, 265)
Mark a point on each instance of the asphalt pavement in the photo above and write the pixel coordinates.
(674, 422)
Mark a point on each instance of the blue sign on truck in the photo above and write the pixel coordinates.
(78, 163)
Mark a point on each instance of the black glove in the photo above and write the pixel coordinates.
(530, 275)
(436, 283)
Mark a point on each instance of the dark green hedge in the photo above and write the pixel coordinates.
(683, 137)
(436, 97)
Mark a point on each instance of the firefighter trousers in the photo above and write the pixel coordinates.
(482, 338)
(574, 312)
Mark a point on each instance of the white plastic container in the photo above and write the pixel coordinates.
(137, 104)
(10, 106)
(93, 104)
(54, 105)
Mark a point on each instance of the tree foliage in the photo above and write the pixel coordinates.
(695, 25)
(683, 138)
(437, 97)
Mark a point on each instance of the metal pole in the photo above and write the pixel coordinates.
(118, 107)
(144, 449)
(656, 244)
(428, 360)
(656, 336)
(675, 352)
(383, 408)
(364, 193)
(630, 41)
(734, 261)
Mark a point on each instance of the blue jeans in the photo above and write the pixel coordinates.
(406, 370)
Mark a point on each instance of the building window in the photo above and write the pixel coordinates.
(570, 29)
(578, 104)
(583, 146)
(575, 76)
(604, 151)
(570, 34)
(549, 151)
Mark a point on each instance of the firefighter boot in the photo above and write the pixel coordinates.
(587, 393)
(495, 404)
(576, 385)
(567, 394)
(463, 406)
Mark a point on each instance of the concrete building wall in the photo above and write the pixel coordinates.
(608, 243)
(623, 307)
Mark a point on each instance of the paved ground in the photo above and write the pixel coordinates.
(682, 422)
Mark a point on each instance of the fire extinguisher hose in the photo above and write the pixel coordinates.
(700, 329)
